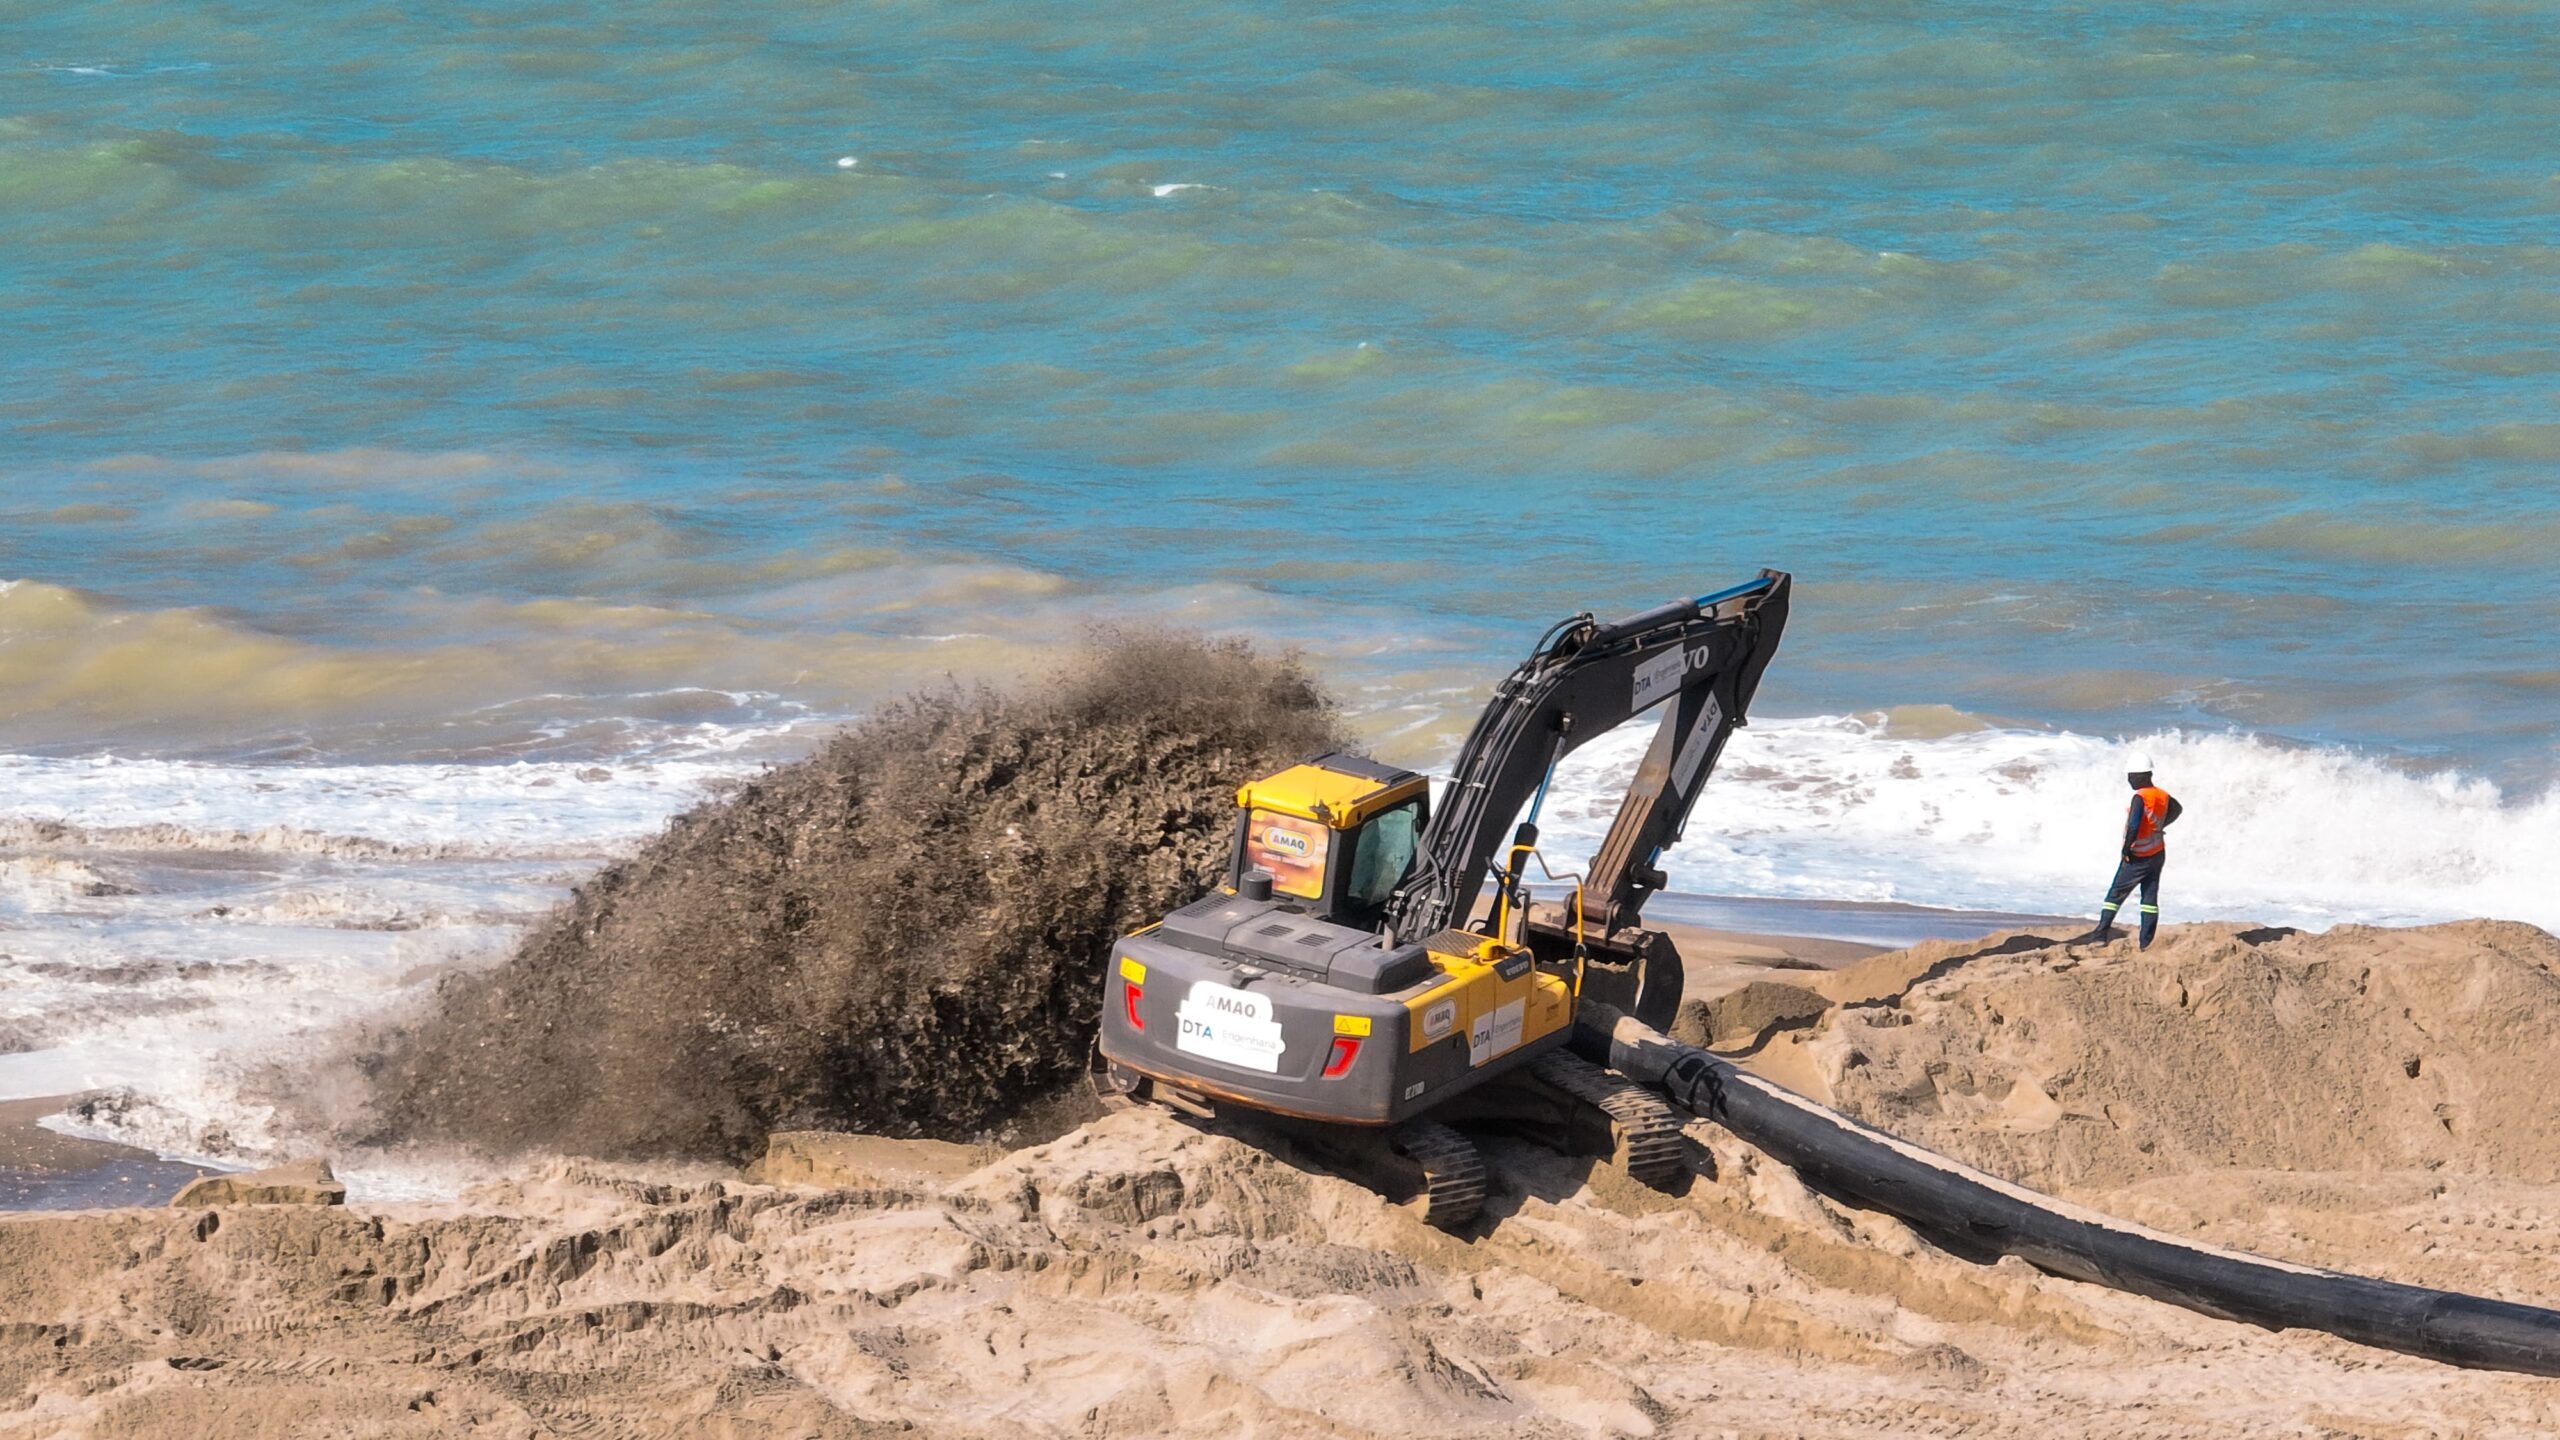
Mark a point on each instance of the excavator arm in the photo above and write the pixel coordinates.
(1699, 660)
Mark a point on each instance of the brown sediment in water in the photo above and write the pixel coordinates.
(902, 934)
(81, 668)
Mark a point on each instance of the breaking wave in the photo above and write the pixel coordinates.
(519, 810)
(1887, 807)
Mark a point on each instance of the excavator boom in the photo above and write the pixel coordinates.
(1700, 660)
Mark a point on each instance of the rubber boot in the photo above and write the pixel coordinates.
(2104, 931)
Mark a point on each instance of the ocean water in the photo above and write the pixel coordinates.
(435, 445)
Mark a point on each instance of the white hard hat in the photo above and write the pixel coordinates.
(2139, 763)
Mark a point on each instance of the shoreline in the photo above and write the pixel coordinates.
(1876, 924)
(43, 1169)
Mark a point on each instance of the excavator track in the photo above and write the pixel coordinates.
(1645, 1132)
(1452, 1171)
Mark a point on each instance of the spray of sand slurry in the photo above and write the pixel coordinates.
(903, 934)
(2366, 1099)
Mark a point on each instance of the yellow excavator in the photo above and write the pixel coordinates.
(1351, 972)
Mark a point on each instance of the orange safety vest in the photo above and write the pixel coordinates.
(2147, 839)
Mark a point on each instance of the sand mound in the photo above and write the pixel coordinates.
(2223, 1048)
(903, 934)
(2376, 1100)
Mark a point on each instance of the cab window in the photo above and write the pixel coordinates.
(1380, 852)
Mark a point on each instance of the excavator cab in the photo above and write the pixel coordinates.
(1336, 835)
(1285, 990)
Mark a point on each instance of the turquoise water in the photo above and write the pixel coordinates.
(2099, 366)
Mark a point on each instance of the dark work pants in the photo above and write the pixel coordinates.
(2144, 872)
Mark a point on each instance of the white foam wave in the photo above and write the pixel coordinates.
(174, 928)
(1842, 808)
(558, 809)
(170, 1015)
(40, 884)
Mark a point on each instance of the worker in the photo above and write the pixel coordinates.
(2146, 848)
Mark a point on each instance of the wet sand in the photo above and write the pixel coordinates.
(1877, 925)
(1718, 962)
(41, 1169)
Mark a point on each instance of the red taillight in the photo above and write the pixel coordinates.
(1136, 1021)
(1345, 1050)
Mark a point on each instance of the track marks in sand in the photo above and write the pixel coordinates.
(1137, 1276)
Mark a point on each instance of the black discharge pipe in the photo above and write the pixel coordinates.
(1980, 1216)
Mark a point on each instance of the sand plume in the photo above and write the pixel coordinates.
(903, 933)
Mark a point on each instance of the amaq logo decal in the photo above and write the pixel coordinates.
(1228, 1003)
(1229, 1025)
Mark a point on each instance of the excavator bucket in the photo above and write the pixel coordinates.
(1633, 971)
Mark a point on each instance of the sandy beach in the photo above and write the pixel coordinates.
(2368, 1099)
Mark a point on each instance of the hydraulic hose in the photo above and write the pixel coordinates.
(1981, 1216)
